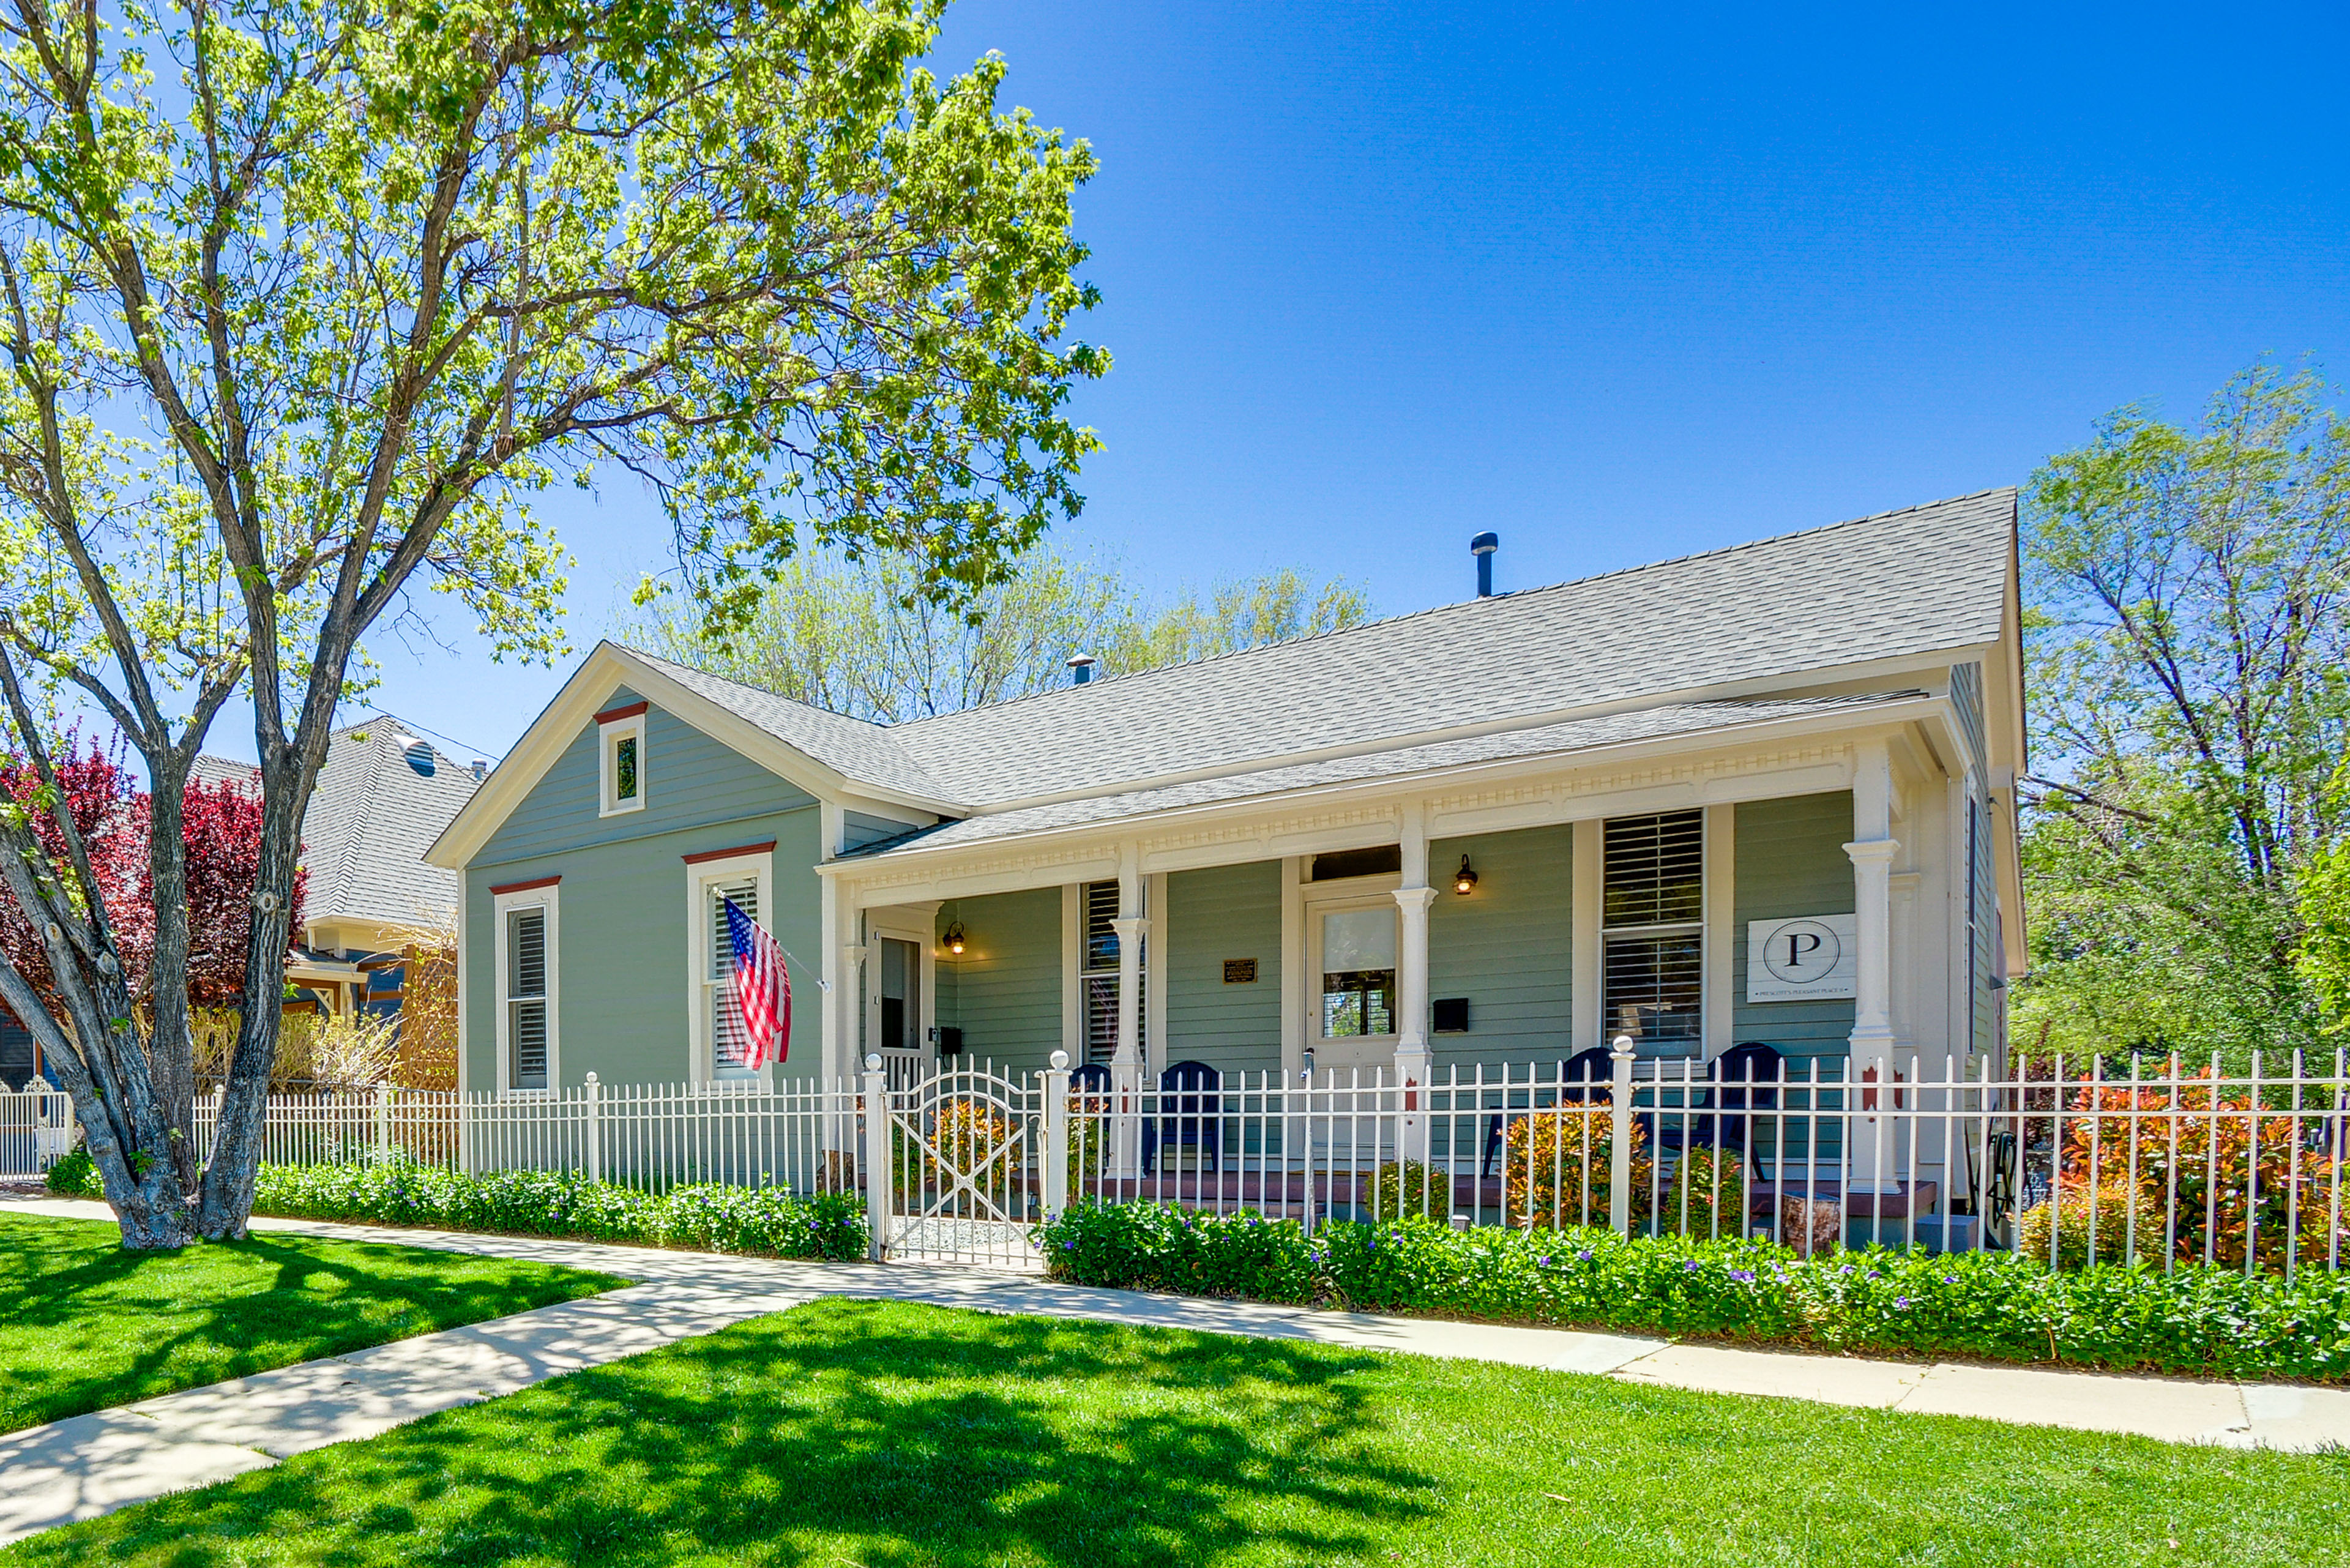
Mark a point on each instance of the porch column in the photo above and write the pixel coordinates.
(1872, 850)
(1411, 1057)
(1126, 1062)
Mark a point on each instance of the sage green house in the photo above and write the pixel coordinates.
(1764, 793)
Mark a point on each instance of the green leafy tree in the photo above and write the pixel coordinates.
(2190, 684)
(304, 302)
(2325, 916)
(859, 637)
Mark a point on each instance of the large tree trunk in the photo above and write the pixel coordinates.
(170, 1049)
(286, 776)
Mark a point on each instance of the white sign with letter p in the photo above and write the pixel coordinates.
(1801, 959)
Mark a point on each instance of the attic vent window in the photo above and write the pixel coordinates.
(419, 756)
(620, 737)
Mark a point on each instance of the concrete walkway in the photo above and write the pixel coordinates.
(90, 1465)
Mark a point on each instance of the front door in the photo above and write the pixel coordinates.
(899, 1032)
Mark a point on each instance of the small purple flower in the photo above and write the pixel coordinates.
(1543, 1262)
(1743, 1276)
(1901, 1302)
(1689, 1267)
(1873, 1274)
(1950, 1279)
(1583, 1255)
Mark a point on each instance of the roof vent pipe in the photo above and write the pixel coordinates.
(1081, 667)
(1483, 546)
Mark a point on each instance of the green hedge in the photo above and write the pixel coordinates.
(1994, 1305)
(707, 1217)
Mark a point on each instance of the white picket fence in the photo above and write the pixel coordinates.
(2178, 1167)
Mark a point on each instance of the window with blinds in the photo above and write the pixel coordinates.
(729, 1039)
(1652, 907)
(526, 997)
(1097, 969)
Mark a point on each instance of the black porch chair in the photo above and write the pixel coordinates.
(1721, 1116)
(1190, 1100)
(1584, 1079)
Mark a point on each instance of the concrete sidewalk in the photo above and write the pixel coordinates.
(91, 1464)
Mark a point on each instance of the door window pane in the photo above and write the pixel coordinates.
(901, 998)
(1358, 972)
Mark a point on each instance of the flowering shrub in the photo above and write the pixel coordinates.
(1996, 1305)
(2241, 1176)
(968, 1137)
(1407, 1188)
(538, 1203)
(1558, 1167)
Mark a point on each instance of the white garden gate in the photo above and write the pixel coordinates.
(956, 1163)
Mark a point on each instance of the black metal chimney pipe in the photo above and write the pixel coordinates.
(1483, 546)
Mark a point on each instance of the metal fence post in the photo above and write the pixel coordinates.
(1057, 1136)
(1619, 1146)
(383, 1121)
(878, 1173)
(595, 1129)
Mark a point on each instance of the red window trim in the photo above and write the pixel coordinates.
(766, 848)
(499, 890)
(614, 715)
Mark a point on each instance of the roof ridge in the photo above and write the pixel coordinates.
(1409, 615)
(652, 658)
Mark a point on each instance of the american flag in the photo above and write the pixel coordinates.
(763, 986)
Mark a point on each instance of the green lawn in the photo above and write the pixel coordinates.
(85, 1325)
(885, 1434)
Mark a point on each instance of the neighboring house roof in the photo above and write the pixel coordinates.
(383, 795)
(1674, 648)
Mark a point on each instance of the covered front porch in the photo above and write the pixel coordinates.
(1474, 948)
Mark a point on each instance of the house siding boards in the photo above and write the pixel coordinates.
(1508, 947)
(1790, 861)
(691, 781)
(621, 994)
(1212, 916)
(1004, 991)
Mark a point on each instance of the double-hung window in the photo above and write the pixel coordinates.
(1652, 932)
(722, 1005)
(1098, 971)
(721, 1041)
(527, 980)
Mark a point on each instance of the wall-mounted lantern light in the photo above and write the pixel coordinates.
(955, 937)
(1464, 880)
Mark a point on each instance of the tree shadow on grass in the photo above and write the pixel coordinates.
(872, 1433)
(109, 1327)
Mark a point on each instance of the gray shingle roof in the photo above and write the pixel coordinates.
(1572, 735)
(853, 748)
(370, 819)
(1517, 666)
(1905, 582)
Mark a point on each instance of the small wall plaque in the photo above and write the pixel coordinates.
(1240, 972)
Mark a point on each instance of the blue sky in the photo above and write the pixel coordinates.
(1617, 282)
